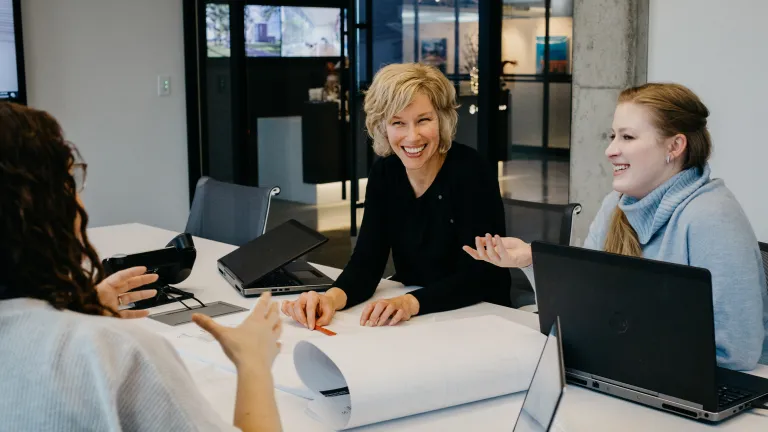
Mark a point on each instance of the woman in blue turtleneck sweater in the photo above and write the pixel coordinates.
(666, 207)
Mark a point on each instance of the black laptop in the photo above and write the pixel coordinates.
(269, 263)
(640, 330)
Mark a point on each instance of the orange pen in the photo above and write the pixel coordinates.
(325, 331)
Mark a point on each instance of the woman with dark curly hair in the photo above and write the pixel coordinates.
(63, 350)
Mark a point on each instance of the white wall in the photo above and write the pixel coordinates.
(718, 49)
(93, 64)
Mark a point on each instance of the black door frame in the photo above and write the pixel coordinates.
(193, 18)
(356, 86)
(489, 65)
(491, 71)
(21, 77)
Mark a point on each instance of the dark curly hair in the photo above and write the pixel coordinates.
(44, 248)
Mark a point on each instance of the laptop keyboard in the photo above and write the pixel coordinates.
(729, 396)
(278, 278)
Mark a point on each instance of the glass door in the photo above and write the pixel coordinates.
(441, 33)
(259, 62)
(536, 47)
(213, 56)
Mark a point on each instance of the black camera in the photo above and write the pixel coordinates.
(173, 264)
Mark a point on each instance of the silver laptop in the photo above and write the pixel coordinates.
(546, 388)
(271, 262)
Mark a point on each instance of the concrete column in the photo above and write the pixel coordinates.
(610, 53)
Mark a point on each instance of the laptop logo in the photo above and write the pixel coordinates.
(618, 323)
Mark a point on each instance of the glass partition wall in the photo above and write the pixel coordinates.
(275, 92)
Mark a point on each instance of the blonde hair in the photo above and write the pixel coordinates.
(394, 87)
(674, 109)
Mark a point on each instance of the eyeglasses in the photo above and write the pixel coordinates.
(79, 167)
(79, 172)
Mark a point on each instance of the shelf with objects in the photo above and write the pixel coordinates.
(325, 138)
(306, 150)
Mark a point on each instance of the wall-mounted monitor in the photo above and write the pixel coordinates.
(262, 31)
(311, 32)
(217, 32)
(12, 82)
(285, 31)
(276, 31)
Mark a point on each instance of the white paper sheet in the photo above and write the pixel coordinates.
(193, 343)
(393, 372)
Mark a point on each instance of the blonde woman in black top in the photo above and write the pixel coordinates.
(426, 198)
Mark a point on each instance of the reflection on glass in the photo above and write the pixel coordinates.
(262, 31)
(217, 29)
(469, 53)
(526, 115)
(524, 9)
(560, 115)
(434, 40)
(539, 102)
(434, 53)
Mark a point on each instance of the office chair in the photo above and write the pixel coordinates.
(229, 213)
(764, 253)
(530, 221)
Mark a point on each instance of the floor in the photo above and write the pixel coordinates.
(521, 178)
(535, 179)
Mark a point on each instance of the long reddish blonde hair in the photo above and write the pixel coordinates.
(675, 109)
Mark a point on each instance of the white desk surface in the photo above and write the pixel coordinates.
(580, 409)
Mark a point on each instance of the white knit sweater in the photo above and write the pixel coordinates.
(65, 371)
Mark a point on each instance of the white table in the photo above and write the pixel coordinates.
(580, 409)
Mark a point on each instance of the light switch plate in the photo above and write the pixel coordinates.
(163, 85)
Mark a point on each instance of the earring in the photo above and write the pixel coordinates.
(669, 158)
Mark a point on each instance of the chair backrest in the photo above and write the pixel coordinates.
(531, 221)
(229, 213)
(764, 253)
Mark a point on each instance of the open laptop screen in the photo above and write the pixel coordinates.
(546, 389)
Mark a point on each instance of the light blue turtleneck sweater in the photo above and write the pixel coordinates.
(694, 220)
